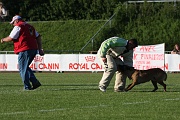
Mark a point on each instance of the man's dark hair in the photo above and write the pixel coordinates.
(134, 41)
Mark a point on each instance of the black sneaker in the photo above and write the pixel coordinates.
(36, 85)
(27, 89)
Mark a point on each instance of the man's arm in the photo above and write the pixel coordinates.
(13, 35)
(41, 52)
(6, 39)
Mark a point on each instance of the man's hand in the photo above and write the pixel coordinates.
(105, 63)
(41, 52)
(2, 40)
(6, 39)
(104, 60)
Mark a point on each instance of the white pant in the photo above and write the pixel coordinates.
(109, 72)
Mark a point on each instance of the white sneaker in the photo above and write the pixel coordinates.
(103, 89)
(118, 90)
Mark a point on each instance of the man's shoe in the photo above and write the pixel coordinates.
(103, 89)
(36, 85)
(27, 89)
(118, 90)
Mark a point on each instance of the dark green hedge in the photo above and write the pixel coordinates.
(150, 23)
(68, 36)
(48, 10)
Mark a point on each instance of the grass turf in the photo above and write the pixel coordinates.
(75, 96)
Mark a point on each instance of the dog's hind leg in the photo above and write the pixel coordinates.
(155, 85)
(163, 84)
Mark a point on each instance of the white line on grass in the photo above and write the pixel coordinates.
(130, 103)
(52, 110)
(95, 106)
(61, 109)
(15, 113)
(172, 99)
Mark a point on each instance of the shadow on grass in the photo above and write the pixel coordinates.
(156, 91)
(159, 90)
(71, 85)
(10, 85)
(56, 87)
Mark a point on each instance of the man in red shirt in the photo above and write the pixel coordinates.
(27, 43)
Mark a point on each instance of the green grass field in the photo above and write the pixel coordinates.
(75, 96)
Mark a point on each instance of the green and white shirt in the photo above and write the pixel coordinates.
(115, 47)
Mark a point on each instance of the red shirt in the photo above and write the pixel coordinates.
(26, 39)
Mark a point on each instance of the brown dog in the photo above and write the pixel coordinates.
(156, 75)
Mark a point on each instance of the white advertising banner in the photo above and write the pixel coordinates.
(8, 62)
(80, 62)
(172, 62)
(3, 64)
(145, 57)
(69, 62)
(149, 56)
(49, 62)
(89, 62)
(12, 62)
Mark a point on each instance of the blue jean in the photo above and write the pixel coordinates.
(24, 60)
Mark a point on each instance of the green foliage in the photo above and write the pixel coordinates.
(59, 36)
(150, 23)
(5, 29)
(48, 10)
(75, 96)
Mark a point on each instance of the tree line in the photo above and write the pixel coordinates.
(150, 23)
(50, 10)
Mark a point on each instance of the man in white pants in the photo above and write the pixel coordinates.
(109, 54)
